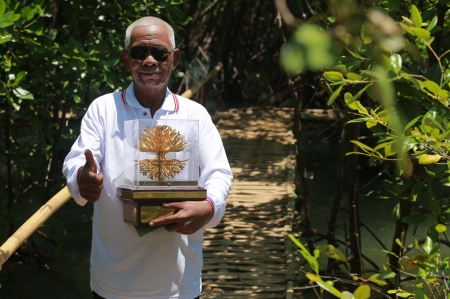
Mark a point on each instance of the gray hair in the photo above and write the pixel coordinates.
(147, 21)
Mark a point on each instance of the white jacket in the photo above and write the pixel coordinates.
(160, 264)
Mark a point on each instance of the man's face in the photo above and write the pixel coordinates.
(149, 73)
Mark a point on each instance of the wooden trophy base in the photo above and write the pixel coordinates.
(142, 205)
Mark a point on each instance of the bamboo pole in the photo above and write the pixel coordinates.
(63, 196)
(32, 224)
(190, 92)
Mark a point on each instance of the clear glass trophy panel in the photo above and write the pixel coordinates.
(161, 153)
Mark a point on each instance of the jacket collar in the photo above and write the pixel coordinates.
(170, 103)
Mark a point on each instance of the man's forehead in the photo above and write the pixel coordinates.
(150, 33)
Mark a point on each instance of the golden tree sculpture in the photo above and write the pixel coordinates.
(160, 140)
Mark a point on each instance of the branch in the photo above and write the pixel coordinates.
(286, 14)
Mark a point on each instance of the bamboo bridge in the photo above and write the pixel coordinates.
(248, 255)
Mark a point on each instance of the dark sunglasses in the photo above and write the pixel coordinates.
(142, 52)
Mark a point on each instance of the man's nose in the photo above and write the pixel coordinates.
(150, 59)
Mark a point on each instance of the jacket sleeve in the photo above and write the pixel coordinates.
(215, 171)
(91, 137)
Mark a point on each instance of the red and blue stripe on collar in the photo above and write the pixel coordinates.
(174, 96)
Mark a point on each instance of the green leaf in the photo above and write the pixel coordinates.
(334, 95)
(347, 295)
(396, 211)
(23, 94)
(19, 77)
(333, 76)
(362, 292)
(375, 279)
(6, 19)
(27, 13)
(386, 275)
(356, 55)
(416, 17)
(359, 120)
(407, 28)
(327, 287)
(421, 33)
(411, 123)
(431, 86)
(429, 159)
(2, 7)
(428, 245)
(432, 23)
(362, 145)
(330, 251)
(291, 58)
(77, 99)
(361, 108)
(396, 62)
(353, 76)
(419, 293)
(370, 124)
(440, 228)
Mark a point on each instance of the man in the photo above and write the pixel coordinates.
(165, 263)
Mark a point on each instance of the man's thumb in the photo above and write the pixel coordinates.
(90, 162)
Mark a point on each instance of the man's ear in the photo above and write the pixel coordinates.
(176, 56)
(124, 58)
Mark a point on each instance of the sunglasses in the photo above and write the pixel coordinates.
(142, 52)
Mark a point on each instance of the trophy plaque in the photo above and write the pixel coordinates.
(161, 165)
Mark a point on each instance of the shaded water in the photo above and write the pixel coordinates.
(320, 159)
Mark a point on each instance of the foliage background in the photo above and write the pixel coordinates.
(57, 56)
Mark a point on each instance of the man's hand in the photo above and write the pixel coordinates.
(89, 181)
(189, 217)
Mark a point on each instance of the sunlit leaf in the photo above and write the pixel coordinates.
(432, 23)
(431, 86)
(374, 278)
(334, 95)
(362, 292)
(440, 228)
(396, 62)
(324, 285)
(362, 145)
(428, 245)
(330, 251)
(371, 123)
(415, 16)
(407, 28)
(421, 33)
(347, 295)
(23, 94)
(353, 76)
(429, 159)
(333, 76)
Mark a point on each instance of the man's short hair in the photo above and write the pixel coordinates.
(146, 21)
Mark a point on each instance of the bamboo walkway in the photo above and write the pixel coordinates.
(247, 254)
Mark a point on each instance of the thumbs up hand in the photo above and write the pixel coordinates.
(89, 181)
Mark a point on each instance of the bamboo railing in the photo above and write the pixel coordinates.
(63, 196)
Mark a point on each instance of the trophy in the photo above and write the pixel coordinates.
(161, 165)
